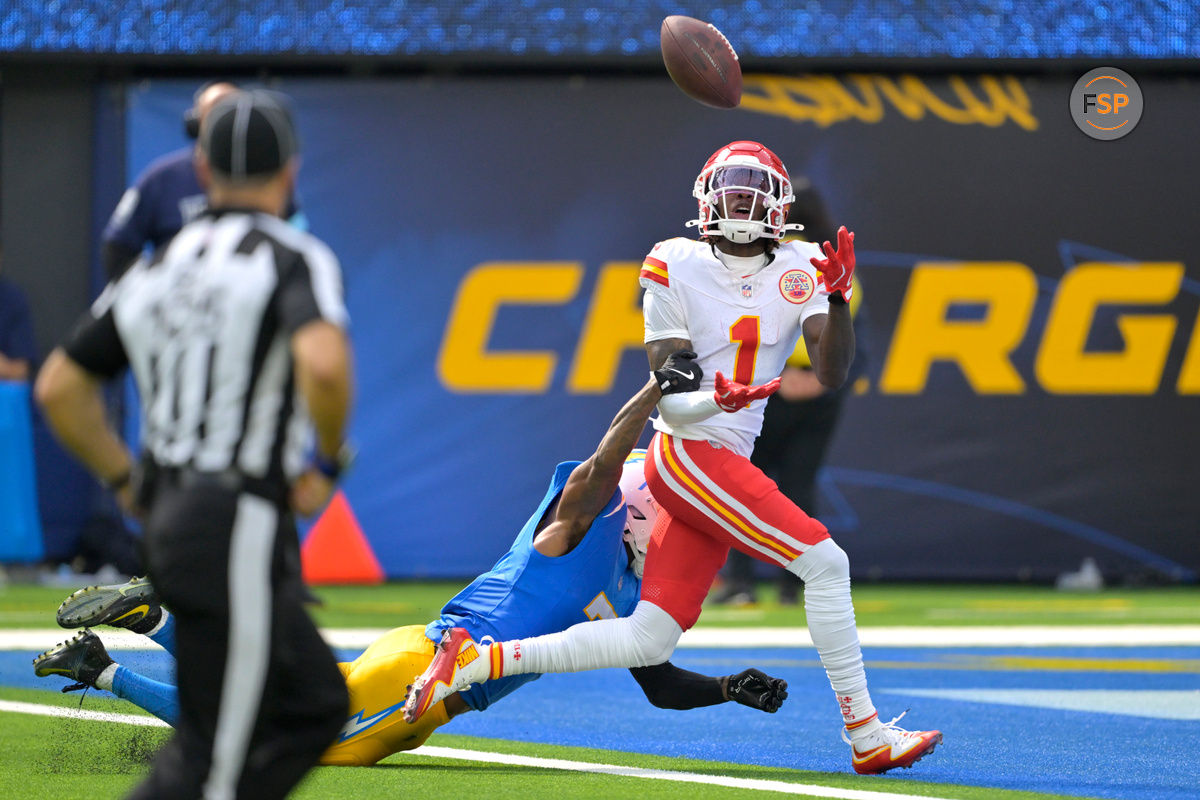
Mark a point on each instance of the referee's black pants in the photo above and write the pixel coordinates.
(260, 694)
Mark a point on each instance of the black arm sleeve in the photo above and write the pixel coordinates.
(668, 686)
(296, 302)
(310, 288)
(95, 345)
(117, 259)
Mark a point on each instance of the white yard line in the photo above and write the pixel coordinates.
(959, 636)
(911, 636)
(783, 787)
(79, 713)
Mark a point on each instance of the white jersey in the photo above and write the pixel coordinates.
(743, 325)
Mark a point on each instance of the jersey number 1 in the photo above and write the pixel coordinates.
(745, 333)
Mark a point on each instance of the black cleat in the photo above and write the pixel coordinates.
(81, 658)
(132, 605)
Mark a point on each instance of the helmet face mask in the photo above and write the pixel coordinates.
(641, 510)
(743, 193)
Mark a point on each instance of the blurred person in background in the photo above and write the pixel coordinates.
(18, 504)
(17, 351)
(799, 420)
(167, 194)
(236, 334)
(164, 197)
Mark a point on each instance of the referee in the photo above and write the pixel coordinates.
(235, 332)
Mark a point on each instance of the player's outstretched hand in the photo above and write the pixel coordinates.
(757, 689)
(838, 266)
(733, 396)
(679, 373)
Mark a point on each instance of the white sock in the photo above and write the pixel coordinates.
(105, 679)
(825, 571)
(647, 636)
(158, 626)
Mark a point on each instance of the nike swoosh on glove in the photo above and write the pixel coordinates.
(837, 268)
(679, 373)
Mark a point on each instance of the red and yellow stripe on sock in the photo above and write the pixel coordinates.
(858, 723)
(495, 660)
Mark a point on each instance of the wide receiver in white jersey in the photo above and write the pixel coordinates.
(740, 299)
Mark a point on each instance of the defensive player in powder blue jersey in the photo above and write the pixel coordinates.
(578, 557)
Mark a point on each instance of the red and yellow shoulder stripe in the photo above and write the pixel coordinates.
(655, 270)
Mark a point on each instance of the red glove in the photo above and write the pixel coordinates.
(837, 268)
(733, 396)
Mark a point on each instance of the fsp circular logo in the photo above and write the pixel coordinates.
(1106, 103)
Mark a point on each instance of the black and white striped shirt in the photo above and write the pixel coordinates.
(206, 327)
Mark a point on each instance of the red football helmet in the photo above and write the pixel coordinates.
(741, 171)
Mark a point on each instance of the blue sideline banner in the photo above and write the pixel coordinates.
(20, 525)
(1030, 399)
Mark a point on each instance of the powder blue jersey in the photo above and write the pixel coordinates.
(529, 594)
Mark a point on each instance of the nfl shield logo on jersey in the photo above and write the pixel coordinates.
(796, 286)
(747, 290)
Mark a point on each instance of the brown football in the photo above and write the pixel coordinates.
(701, 61)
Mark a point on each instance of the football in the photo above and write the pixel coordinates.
(701, 61)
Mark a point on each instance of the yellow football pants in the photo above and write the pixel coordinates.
(377, 680)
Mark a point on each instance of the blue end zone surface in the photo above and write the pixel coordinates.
(1014, 718)
(987, 744)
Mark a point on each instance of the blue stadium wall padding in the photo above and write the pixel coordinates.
(490, 262)
(20, 526)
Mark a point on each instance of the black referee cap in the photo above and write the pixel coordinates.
(249, 134)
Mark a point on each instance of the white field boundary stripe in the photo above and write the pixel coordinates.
(783, 787)
(912, 636)
(79, 713)
(959, 636)
(805, 790)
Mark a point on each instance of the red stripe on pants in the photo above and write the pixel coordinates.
(688, 546)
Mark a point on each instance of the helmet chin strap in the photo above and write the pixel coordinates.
(741, 231)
